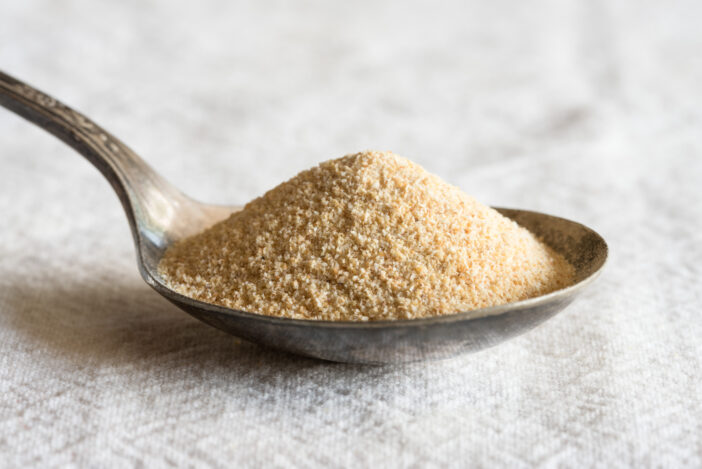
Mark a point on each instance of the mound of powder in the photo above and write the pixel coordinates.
(368, 236)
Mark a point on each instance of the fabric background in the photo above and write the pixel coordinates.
(590, 110)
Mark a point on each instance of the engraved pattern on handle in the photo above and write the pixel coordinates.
(91, 131)
(149, 201)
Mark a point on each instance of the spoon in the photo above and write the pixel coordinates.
(159, 214)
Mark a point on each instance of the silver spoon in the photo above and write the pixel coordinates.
(160, 214)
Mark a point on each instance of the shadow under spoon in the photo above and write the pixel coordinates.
(159, 214)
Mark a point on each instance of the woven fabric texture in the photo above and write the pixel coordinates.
(587, 110)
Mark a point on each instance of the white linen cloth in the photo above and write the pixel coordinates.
(588, 110)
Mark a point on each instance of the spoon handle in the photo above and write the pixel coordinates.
(146, 197)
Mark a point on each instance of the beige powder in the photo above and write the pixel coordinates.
(365, 237)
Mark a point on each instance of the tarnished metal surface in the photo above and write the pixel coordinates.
(159, 214)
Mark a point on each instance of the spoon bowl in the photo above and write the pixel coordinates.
(160, 215)
(380, 342)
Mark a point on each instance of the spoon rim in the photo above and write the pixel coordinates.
(157, 283)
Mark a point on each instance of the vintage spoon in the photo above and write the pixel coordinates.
(159, 214)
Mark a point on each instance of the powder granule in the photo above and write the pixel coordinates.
(369, 236)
